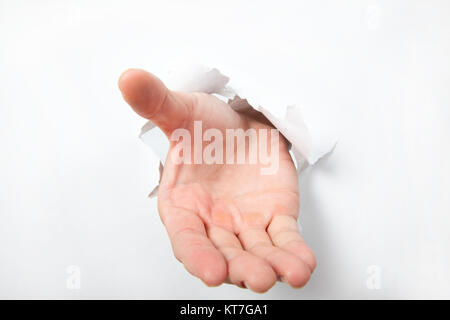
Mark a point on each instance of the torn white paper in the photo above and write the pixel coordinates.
(309, 139)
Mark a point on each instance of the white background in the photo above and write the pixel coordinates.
(74, 176)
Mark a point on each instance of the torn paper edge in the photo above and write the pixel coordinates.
(308, 143)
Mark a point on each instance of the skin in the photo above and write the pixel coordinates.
(226, 223)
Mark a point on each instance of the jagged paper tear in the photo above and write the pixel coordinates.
(309, 140)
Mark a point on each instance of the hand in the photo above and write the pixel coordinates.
(226, 222)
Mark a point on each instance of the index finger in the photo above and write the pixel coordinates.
(192, 246)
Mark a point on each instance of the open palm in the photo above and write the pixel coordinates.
(226, 222)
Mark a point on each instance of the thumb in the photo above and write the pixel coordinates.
(150, 98)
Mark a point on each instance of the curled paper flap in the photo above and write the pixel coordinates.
(309, 139)
(197, 79)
